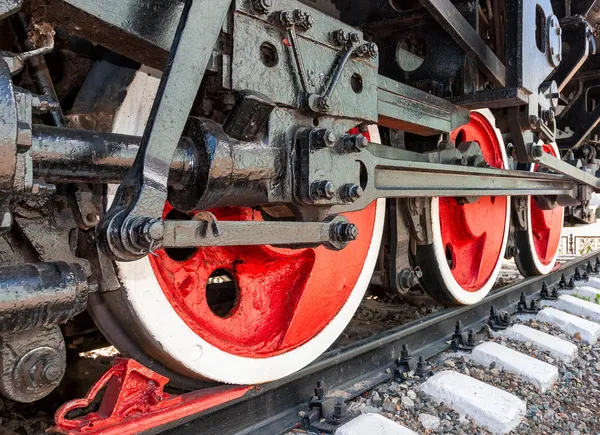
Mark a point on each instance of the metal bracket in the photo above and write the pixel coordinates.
(352, 43)
(578, 33)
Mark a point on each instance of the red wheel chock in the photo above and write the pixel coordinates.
(134, 401)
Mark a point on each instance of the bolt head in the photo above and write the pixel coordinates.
(156, 230)
(362, 141)
(322, 190)
(52, 373)
(329, 189)
(372, 50)
(324, 104)
(537, 151)
(330, 138)
(341, 37)
(262, 6)
(349, 232)
(352, 192)
(323, 138)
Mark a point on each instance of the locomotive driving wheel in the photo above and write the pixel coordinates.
(241, 315)
(469, 237)
(538, 245)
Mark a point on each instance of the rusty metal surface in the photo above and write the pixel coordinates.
(151, 23)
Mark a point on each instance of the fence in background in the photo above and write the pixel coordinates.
(573, 246)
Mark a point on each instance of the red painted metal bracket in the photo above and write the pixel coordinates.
(134, 400)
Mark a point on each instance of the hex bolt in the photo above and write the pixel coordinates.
(471, 338)
(345, 232)
(369, 49)
(340, 409)
(322, 190)
(458, 328)
(322, 138)
(352, 143)
(404, 353)
(408, 278)
(537, 151)
(422, 369)
(52, 373)
(341, 37)
(40, 367)
(262, 6)
(145, 233)
(563, 281)
(352, 192)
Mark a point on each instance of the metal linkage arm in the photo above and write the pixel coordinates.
(416, 179)
(568, 170)
(143, 193)
(467, 38)
(205, 230)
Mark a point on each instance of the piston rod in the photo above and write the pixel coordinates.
(63, 155)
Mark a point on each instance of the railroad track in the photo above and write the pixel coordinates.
(350, 372)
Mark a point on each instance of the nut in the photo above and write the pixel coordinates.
(262, 6)
(537, 151)
(323, 138)
(345, 232)
(322, 190)
(352, 192)
(352, 143)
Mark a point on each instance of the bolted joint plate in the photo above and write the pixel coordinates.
(313, 169)
(278, 77)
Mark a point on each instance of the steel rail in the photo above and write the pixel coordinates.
(274, 408)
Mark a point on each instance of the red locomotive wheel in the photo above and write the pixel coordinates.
(240, 315)
(538, 246)
(469, 239)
